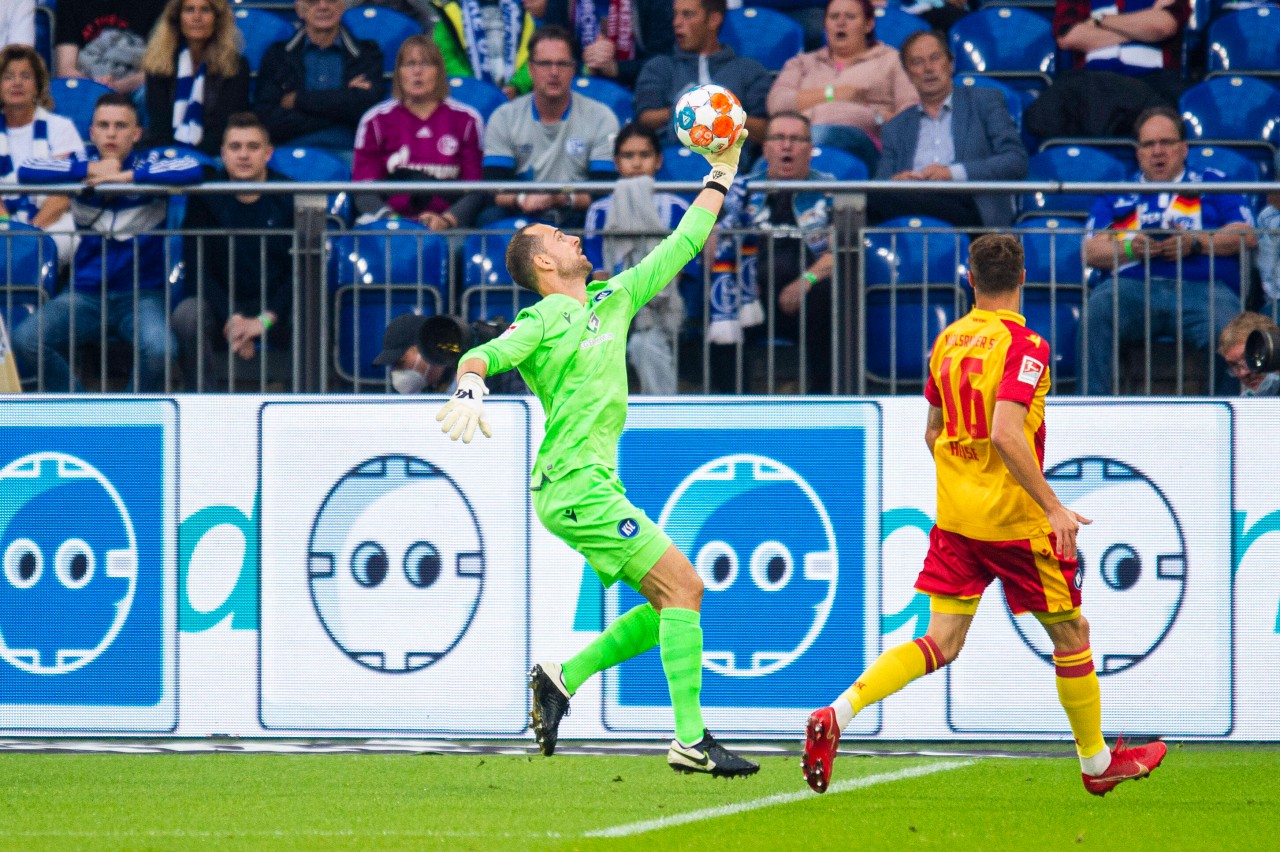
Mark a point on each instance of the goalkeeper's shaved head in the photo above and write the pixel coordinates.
(522, 249)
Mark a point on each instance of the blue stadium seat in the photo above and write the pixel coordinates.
(491, 303)
(74, 97)
(679, 163)
(1054, 292)
(1005, 42)
(480, 95)
(1234, 165)
(839, 163)
(1244, 42)
(383, 269)
(28, 271)
(484, 254)
(385, 26)
(894, 25)
(315, 164)
(767, 36)
(1012, 97)
(609, 93)
(914, 289)
(260, 29)
(1068, 163)
(1241, 111)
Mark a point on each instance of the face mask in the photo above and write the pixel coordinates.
(1270, 386)
(408, 382)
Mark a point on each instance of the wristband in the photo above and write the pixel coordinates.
(830, 92)
(811, 278)
(4, 217)
(1128, 248)
(721, 178)
(266, 321)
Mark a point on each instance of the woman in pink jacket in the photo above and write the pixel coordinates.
(854, 82)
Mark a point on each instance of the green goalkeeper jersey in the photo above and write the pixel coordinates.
(574, 357)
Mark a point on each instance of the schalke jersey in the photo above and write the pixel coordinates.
(980, 358)
(574, 357)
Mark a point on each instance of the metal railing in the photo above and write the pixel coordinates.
(892, 290)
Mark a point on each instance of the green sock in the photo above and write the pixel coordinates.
(633, 633)
(680, 641)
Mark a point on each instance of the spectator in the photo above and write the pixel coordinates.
(611, 241)
(954, 134)
(699, 58)
(313, 88)
(849, 88)
(118, 276)
(240, 284)
(617, 36)
(104, 40)
(422, 353)
(1231, 345)
(1158, 251)
(938, 14)
(1269, 247)
(1136, 38)
(18, 22)
(195, 75)
(798, 228)
(488, 40)
(29, 131)
(550, 135)
(420, 135)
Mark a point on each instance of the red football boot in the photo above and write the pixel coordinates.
(821, 742)
(1127, 764)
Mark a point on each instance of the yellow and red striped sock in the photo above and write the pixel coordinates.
(894, 669)
(1080, 696)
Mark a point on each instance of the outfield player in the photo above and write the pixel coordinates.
(997, 517)
(571, 348)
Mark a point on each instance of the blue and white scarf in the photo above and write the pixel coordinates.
(22, 204)
(585, 23)
(478, 40)
(188, 101)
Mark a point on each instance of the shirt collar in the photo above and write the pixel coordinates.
(533, 104)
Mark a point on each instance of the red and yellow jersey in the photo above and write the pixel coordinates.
(981, 358)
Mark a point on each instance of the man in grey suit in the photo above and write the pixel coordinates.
(954, 134)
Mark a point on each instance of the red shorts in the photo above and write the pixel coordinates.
(1035, 579)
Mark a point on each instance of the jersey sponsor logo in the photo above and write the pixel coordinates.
(628, 528)
(447, 145)
(596, 341)
(602, 295)
(961, 451)
(1030, 371)
(575, 146)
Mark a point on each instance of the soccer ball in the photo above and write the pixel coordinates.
(708, 119)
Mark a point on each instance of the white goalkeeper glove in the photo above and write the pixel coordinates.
(460, 416)
(724, 165)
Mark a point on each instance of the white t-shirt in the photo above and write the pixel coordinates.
(63, 138)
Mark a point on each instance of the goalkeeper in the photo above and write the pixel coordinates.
(571, 349)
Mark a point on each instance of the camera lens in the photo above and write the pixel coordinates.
(1262, 350)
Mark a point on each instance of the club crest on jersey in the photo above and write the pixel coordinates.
(447, 145)
(1030, 371)
(593, 324)
(628, 528)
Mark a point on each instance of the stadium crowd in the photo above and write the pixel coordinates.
(566, 91)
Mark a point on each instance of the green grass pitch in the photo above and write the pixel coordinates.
(1205, 796)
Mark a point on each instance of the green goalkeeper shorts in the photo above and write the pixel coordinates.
(588, 510)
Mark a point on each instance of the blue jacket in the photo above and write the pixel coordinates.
(113, 221)
(987, 145)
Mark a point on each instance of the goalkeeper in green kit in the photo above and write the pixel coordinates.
(571, 349)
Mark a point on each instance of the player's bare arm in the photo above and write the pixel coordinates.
(933, 428)
(1010, 441)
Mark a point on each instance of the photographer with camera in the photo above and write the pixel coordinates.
(422, 353)
(1250, 344)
